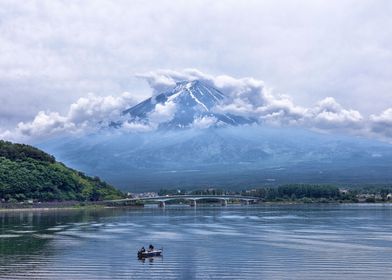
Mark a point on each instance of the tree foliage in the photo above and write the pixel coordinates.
(297, 191)
(29, 173)
(21, 152)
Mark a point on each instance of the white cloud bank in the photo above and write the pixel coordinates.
(85, 115)
(247, 97)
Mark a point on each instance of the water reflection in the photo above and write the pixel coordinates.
(269, 242)
(26, 238)
(151, 260)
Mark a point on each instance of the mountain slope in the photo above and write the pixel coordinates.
(29, 173)
(191, 101)
(233, 152)
(235, 157)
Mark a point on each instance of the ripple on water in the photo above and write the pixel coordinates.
(43, 236)
(206, 244)
(282, 217)
(22, 231)
(9, 235)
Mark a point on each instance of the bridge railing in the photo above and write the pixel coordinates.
(161, 200)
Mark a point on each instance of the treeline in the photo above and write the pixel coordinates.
(297, 192)
(27, 173)
(14, 152)
(286, 193)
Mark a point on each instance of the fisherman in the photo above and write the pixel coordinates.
(142, 250)
(150, 248)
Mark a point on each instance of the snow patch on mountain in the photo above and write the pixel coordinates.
(188, 104)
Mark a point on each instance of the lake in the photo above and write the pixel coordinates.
(207, 242)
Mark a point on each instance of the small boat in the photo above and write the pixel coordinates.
(149, 254)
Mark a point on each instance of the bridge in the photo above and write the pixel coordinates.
(161, 200)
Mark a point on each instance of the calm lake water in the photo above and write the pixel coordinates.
(234, 242)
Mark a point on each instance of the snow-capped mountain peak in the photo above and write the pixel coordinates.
(189, 102)
(195, 93)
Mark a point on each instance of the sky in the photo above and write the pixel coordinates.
(63, 62)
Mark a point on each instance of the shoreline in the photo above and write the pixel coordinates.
(47, 209)
(57, 207)
(102, 207)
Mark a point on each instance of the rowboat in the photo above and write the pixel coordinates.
(149, 254)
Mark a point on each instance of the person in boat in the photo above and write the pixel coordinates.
(142, 250)
(150, 248)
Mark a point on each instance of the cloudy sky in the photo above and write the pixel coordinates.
(316, 57)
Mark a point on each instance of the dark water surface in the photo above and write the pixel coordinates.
(234, 242)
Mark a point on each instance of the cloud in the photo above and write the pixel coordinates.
(204, 122)
(85, 115)
(250, 97)
(329, 114)
(129, 126)
(162, 113)
(382, 124)
(96, 108)
(53, 52)
(247, 97)
(45, 123)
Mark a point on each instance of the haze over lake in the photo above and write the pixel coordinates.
(234, 242)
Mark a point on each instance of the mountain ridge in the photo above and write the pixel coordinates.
(193, 100)
(235, 157)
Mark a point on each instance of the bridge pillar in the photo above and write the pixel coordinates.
(193, 203)
(162, 204)
(246, 202)
(224, 202)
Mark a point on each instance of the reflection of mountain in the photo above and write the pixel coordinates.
(228, 157)
(189, 101)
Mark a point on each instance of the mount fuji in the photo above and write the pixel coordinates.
(191, 101)
(234, 152)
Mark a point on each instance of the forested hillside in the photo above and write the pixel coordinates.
(29, 173)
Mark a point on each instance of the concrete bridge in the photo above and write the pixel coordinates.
(161, 200)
